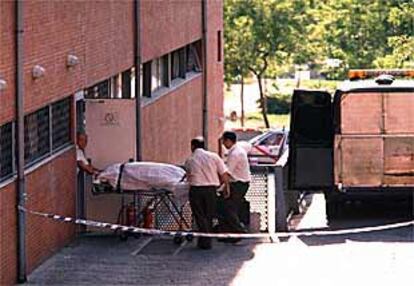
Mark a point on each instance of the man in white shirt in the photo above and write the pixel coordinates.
(82, 162)
(239, 171)
(205, 172)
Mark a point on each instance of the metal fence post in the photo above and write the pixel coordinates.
(281, 220)
(80, 198)
(271, 204)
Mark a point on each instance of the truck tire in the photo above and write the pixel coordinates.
(333, 206)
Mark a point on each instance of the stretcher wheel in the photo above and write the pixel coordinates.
(178, 239)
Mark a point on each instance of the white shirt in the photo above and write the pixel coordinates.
(204, 167)
(80, 156)
(238, 164)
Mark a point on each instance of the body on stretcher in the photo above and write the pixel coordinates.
(155, 188)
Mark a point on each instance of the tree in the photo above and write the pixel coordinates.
(259, 34)
(264, 37)
(237, 37)
(401, 43)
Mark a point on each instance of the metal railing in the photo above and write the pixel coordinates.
(269, 197)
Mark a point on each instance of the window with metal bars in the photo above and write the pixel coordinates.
(6, 151)
(36, 135)
(99, 90)
(61, 123)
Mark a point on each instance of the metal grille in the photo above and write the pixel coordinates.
(6, 150)
(164, 219)
(61, 123)
(36, 135)
(257, 195)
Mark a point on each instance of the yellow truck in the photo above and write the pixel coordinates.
(358, 143)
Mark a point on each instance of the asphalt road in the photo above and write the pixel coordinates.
(376, 258)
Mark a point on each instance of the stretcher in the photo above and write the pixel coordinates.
(147, 189)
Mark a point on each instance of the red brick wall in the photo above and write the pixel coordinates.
(214, 73)
(50, 188)
(99, 33)
(171, 122)
(109, 38)
(8, 235)
(182, 25)
(7, 60)
(168, 25)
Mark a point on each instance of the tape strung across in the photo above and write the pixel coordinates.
(134, 229)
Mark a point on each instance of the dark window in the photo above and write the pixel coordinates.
(126, 84)
(175, 65)
(183, 65)
(219, 52)
(157, 74)
(166, 76)
(36, 135)
(193, 58)
(146, 83)
(100, 90)
(6, 151)
(178, 63)
(80, 116)
(61, 123)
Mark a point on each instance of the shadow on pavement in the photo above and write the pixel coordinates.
(361, 215)
(105, 260)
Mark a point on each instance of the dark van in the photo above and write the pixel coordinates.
(358, 142)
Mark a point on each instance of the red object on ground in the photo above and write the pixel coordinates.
(148, 218)
(131, 215)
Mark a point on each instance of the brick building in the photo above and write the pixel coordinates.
(79, 53)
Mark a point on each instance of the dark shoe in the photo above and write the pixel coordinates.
(235, 240)
(204, 243)
(225, 239)
(204, 247)
(231, 240)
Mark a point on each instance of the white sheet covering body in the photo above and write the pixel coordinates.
(147, 176)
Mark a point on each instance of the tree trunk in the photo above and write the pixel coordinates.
(242, 101)
(263, 101)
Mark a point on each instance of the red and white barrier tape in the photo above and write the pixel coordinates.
(134, 229)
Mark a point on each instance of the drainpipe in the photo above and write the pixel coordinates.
(137, 62)
(205, 97)
(21, 190)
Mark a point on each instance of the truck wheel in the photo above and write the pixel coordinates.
(333, 207)
(332, 210)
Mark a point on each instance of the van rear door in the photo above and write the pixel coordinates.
(311, 141)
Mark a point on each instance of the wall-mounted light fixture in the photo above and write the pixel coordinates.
(38, 72)
(72, 61)
(3, 84)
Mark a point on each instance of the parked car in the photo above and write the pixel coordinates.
(267, 148)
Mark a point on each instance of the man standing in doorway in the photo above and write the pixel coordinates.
(205, 171)
(82, 162)
(239, 171)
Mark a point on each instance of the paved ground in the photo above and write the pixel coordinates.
(380, 258)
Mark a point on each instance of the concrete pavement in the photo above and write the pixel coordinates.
(379, 258)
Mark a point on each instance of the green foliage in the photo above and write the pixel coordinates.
(272, 36)
(279, 103)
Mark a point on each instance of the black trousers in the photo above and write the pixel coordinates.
(230, 221)
(203, 206)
